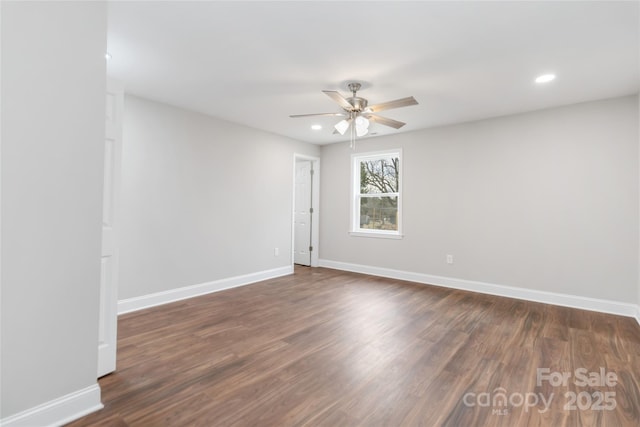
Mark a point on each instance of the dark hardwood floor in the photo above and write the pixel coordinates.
(329, 348)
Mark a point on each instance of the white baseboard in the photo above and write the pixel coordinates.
(59, 411)
(159, 298)
(574, 301)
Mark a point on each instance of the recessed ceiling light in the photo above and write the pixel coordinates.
(316, 127)
(107, 56)
(545, 78)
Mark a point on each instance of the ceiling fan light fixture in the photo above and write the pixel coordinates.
(342, 126)
(362, 126)
(362, 122)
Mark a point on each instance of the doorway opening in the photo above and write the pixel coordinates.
(306, 192)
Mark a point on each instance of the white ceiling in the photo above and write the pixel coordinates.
(255, 63)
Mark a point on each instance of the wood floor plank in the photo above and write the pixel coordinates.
(328, 348)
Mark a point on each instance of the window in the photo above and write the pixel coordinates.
(376, 203)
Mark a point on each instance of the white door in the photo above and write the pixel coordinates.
(302, 213)
(108, 325)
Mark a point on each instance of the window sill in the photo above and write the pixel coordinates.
(376, 235)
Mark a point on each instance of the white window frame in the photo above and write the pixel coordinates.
(355, 229)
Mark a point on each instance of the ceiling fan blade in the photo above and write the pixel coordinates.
(295, 116)
(403, 102)
(341, 100)
(385, 121)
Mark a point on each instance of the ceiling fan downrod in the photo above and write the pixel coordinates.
(354, 87)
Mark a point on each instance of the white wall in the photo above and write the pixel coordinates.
(53, 95)
(546, 201)
(202, 199)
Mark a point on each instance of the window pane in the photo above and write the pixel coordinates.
(379, 175)
(380, 213)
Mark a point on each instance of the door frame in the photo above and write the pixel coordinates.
(315, 205)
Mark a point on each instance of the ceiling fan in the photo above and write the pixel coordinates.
(357, 113)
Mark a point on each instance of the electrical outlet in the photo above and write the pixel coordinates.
(449, 259)
(276, 252)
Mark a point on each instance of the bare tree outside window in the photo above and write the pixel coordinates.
(380, 175)
(379, 193)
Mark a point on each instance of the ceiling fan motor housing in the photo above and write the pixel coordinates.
(359, 104)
